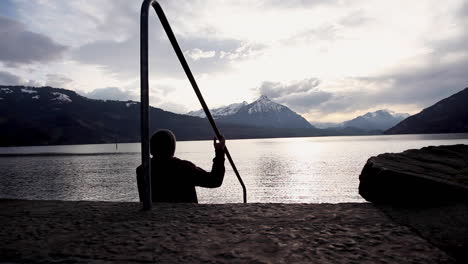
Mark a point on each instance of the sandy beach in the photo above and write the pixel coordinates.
(102, 232)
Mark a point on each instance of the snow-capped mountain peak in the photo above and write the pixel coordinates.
(261, 112)
(266, 113)
(220, 111)
(263, 104)
(378, 120)
(385, 113)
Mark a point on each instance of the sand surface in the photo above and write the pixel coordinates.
(443, 225)
(102, 232)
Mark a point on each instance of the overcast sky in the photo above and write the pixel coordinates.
(329, 60)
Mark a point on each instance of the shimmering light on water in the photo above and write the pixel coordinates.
(290, 170)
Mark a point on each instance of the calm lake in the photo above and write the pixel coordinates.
(281, 170)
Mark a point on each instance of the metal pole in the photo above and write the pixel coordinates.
(145, 144)
(188, 72)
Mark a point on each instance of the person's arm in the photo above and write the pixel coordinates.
(214, 178)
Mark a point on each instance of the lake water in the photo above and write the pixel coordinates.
(286, 170)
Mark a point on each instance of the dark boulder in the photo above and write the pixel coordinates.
(427, 175)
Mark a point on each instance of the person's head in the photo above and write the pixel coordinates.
(163, 143)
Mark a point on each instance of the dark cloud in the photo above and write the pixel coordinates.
(57, 80)
(7, 78)
(7, 8)
(116, 55)
(421, 87)
(111, 93)
(413, 87)
(301, 96)
(424, 86)
(276, 90)
(123, 57)
(119, 18)
(302, 103)
(20, 46)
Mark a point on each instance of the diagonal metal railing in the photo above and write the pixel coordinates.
(145, 151)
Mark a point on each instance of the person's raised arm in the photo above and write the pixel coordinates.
(214, 178)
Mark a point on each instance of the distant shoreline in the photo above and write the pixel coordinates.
(64, 154)
(449, 136)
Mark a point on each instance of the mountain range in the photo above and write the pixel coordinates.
(220, 111)
(379, 120)
(40, 116)
(261, 113)
(52, 116)
(266, 113)
(449, 115)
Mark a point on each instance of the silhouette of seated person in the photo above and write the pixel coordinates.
(173, 180)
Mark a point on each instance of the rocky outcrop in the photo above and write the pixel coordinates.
(427, 175)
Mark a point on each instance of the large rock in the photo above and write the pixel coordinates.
(427, 175)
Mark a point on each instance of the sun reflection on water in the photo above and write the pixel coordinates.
(286, 170)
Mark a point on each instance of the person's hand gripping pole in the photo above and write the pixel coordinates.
(219, 146)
